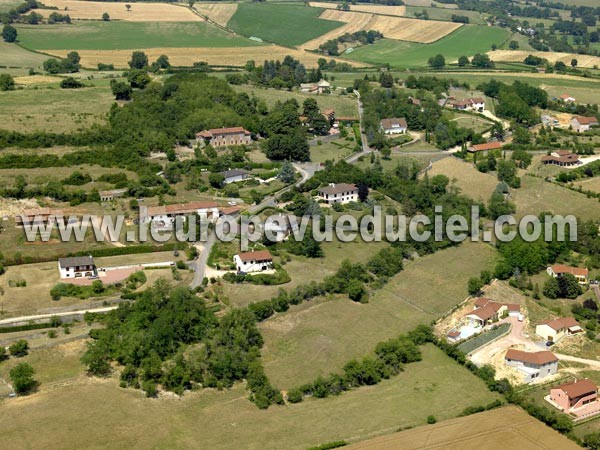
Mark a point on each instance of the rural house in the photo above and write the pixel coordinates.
(567, 98)
(582, 123)
(164, 216)
(485, 148)
(579, 398)
(469, 104)
(558, 270)
(235, 175)
(394, 125)
(534, 365)
(562, 158)
(223, 137)
(322, 87)
(486, 311)
(254, 261)
(338, 193)
(107, 196)
(555, 330)
(77, 267)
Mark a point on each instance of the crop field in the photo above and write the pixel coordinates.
(398, 28)
(217, 12)
(445, 14)
(321, 336)
(139, 12)
(368, 8)
(552, 57)
(436, 385)
(344, 105)
(509, 425)
(467, 40)
(431, 3)
(54, 109)
(222, 56)
(127, 35)
(285, 24)
(359, 22)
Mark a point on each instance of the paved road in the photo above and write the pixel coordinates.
(199, 264)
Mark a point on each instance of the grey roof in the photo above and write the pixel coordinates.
(76, 261)
(234, 173)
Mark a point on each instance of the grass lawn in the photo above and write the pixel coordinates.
(475, 123)
(53, 109)
(591, 184)
(435, 386)
(116, 35)
(344, 105)
(321, 336)
(467, 41)
(284, 24)
(335, 150)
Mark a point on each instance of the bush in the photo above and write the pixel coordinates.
(19, 348)
(181, 265)
(295, 396)
(22, 378)
(431, 420)
(71, 83)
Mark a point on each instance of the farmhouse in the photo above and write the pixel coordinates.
(555, 330)
(469, 104)
(223, 137)
(582, 123)
(579, 398)
(329, 114)
(533, 366)
(394, 125)
(322, 87)
(562, 158)
(77, 267)
(254, 261)
(40, 216)
(484, 148)
(339, 193)
(567, 98)
(107, 196)
(164, 216)
(558, 270)
(486, 311)
(235, 175)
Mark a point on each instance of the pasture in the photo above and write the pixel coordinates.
(17, 60)
(590, 184)
(139, 12)
(54, 109)
(479, 186)
(467, 40)
(436, 385)
(445, 14)
(320, 336)
(127, 35)
(286, 24)
(518, 56)
(334, 151)
(368, 8)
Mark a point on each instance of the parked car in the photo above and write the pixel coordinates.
(549, 343)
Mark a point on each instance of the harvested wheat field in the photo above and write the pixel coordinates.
(228, 56)
(354, 22)
(519, 56)
(508, 428)
(140, 12)
(217, 12)
(36, 79)
(403, 29)
(373, 9)
(430, 3)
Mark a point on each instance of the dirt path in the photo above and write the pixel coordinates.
(590, 362)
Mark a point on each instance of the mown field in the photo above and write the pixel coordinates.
(467, 41)
(285, 24)
(445, 14)
(115, 35)
(12, 56)
(321, 336)
(435, 386)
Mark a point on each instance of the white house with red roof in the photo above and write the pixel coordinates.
(486, 311)
(582, 123)
(532, 365)
(555, 330)
(567, 98)
(164, 216)
(253, 261)
(558, 270)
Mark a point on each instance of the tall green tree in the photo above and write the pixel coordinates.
(9, 33)
(22, 379)
(139, 60)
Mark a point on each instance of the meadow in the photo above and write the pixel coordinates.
(445, 14)
(16, 59)
(334, 151)
(320, 336)
(285, 24)
(467, 41)
(116, 35)
(435, 386)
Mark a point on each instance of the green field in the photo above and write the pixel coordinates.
(467, 41)
(445, 14)
(319, 337)
(119, 35)
(435, 386)
(283, 24)
(14, 56)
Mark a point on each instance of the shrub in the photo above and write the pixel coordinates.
(294, 396)
(19, 348)
(431, 420)
(22, 378)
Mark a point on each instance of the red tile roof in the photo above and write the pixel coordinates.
(257, 255)
(393, 122)
(578, 389)
(338, 188)
(222, 131)
(538, 358)
(563, 268)
(586, 120)
(563, 322)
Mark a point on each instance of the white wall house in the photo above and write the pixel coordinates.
(532, 366)
(77, 267)
(164, 216)
(580, 274)
(339, 193)
(582, 124)
(555, 330)
(235, 175)
(254, 261)
(394, 125)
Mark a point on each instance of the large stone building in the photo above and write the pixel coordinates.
(224, 137)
